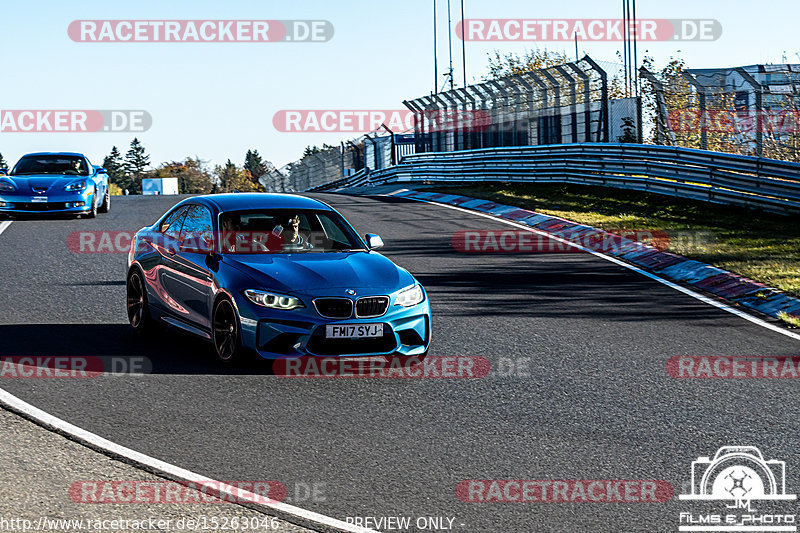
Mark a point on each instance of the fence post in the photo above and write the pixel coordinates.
(603, 95)
(504, 97)
(419, 129)
(573, 101)
(342, 159)
(701, 96)
(759, 110)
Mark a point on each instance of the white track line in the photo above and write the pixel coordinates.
(684, 290)
(285, 511)
(281, 510)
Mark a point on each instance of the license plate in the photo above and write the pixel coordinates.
(354, 331)
(39, 199)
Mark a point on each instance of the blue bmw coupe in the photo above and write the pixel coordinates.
(54, 182)
(275, 275)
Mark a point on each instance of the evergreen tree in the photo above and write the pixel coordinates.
(116, 169)
(628, 131)
(254, 165)
(226, 176)
(231, 178)
(3, 163)
(136, 160)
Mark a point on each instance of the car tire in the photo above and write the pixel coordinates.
(106, 205)
(93, 211)
(137, 305)
(226, 335)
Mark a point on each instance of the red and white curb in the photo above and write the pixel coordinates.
(414, 195)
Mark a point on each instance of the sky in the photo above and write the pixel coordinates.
(217, 100)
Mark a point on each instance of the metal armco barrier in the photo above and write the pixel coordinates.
(354, 180)
(766, 184)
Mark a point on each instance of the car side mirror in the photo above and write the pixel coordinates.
(373, 241)
(101, 171)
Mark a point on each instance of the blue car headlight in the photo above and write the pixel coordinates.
(76, 186)
(272, 300)
(6, 186)
(410, 296)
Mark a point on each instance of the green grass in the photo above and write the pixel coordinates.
(760, 246)
(791, 320)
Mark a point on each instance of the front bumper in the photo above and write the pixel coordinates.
(301, 332)
(63, 203)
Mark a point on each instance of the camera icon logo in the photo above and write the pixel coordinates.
(738, 473)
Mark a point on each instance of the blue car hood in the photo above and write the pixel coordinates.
(54, 182)
(313, 273)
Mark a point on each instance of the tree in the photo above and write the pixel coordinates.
(254, 165)
(782, 135)
(512, 63)
(628, 131)
(115, 167)
(3, 163)
(193, 176)
(311, 150)
(684, 117)
(136, 162)
(231, 178)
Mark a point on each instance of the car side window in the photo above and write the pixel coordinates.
(171, 226)
(332, 231)
(197, 225)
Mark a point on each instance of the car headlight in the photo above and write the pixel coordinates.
(7, 187)
(77, 186)
(411, 296)
(273, 301)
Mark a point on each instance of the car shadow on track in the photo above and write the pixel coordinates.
(579, 290)
(120, 349)
(31, 217)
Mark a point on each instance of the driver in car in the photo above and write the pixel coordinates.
(293, 240)
(231, 224)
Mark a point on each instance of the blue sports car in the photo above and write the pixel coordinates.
(275, 275)
(54, 182)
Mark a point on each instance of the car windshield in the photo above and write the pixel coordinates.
(283, 231)
(68, 165)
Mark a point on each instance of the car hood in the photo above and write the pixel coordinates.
(43, 182)
(313, 273)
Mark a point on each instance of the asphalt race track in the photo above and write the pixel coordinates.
(596, 404)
